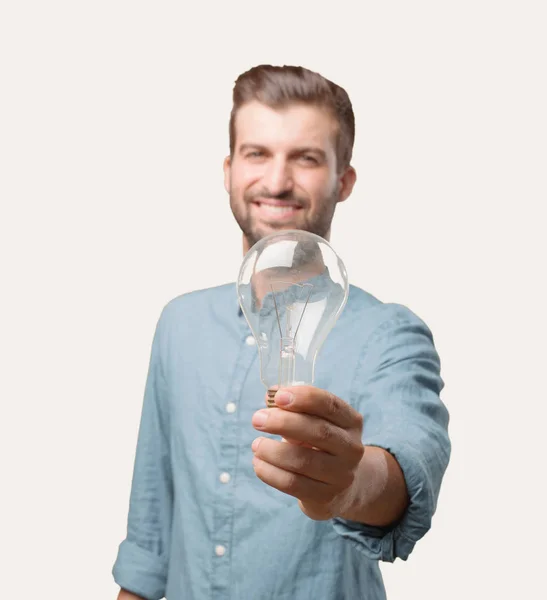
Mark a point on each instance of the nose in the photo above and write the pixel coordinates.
(277, 178)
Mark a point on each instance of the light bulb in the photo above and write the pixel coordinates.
(292, 287)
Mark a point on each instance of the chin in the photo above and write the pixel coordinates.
(269, 229)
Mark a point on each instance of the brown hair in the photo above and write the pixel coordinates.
(278, 87)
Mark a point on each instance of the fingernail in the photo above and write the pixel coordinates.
(260, 418)
(283, 398)
(256, 444)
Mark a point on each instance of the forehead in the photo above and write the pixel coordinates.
(294, 125)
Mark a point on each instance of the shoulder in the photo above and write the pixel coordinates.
(193, 307)
(376, 319)
(395, 345)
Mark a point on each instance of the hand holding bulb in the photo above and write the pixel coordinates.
(319, 464)
(292, 288)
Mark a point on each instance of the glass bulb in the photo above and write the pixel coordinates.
(292, 287)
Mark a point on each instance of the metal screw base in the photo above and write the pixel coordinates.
(270, 400)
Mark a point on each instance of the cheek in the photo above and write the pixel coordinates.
(244, 176)
(318, 184)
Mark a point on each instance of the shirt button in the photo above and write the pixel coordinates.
(250, 341)
(225, 477)
(230, 407)
(220, 550)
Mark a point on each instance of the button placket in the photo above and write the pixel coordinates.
(228, 451)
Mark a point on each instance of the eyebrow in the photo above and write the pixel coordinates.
(245, 147)
(299, 150)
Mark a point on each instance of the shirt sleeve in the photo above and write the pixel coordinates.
(397, 388)
(142, 560)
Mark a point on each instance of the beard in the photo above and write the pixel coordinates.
(318, 222)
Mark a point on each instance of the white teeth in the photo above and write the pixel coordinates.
(278, 210)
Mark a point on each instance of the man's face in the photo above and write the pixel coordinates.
(282, 174)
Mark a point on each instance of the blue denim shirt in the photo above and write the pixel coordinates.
(202, 525)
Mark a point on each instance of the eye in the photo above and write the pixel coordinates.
(254, 154)
(308, 159)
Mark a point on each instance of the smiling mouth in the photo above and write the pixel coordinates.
(276, 211)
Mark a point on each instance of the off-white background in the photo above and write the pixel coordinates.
(113, 127)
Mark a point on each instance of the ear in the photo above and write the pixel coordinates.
(346, 182)
(227, 173)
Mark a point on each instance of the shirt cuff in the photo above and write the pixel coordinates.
(387, 544)
(140, 572)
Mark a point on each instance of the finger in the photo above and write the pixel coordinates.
(298, 443)
(318, 466)
(314, 431)
(317, 511)
(320, 403)
(299, 486)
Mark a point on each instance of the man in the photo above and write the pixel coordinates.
(216, 510)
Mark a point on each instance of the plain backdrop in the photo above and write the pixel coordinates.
(113, 129)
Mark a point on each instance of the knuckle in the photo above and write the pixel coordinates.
(303, 462)
(291, 483)
(353, 447)
(358, 450)
(332, 404)
(324, 432)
